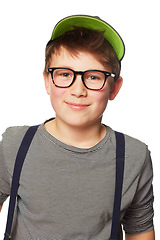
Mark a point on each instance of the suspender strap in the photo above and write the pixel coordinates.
(22, 152)
(120, 157)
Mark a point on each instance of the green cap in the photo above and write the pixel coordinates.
(94, 23)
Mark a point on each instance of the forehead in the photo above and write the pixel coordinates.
(81, 60)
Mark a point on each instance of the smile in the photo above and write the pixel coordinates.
(76, 106)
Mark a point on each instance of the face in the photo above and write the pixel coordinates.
(77, 106)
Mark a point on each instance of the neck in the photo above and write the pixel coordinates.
(77, 136)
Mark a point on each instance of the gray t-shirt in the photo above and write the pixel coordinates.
(67, 193)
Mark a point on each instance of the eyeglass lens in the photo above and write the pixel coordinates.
(92, 79)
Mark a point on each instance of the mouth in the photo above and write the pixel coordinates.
(77, 106)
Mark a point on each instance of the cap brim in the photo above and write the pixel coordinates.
(110, 33)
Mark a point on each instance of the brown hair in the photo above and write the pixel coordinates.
(82, 39)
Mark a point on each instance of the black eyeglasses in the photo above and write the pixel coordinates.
(92, 79)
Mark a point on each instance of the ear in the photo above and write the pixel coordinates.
(115, 88)
(46, 82)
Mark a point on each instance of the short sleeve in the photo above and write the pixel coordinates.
(139, 216)
(4, 178)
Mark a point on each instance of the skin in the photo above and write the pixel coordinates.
(78, 125)
(144, 236)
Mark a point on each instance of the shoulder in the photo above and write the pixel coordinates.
(14, 130)
(13, 135)
(134, 148)
(136, 151)
(137, 164)
(136, 155)
(11, 140)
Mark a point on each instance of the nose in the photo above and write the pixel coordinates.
(78, 89)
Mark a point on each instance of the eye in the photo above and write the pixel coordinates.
(93, 77)
(63, 74)
(66, 74)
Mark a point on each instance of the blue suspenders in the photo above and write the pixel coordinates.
(22, 152)
(120, 160)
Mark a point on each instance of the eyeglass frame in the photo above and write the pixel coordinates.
(106, 74)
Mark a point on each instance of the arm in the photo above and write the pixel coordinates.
(0, 207)
(139, 215)
(4, 178)
(144, 236)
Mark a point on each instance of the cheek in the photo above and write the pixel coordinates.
(101, 99)
(56, 95)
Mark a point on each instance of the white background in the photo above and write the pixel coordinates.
(25, 28)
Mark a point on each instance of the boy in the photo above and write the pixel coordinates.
(68, 178)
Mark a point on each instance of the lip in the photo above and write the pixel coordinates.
(77, 106)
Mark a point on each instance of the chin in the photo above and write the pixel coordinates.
(78, 123)
(82, 123)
